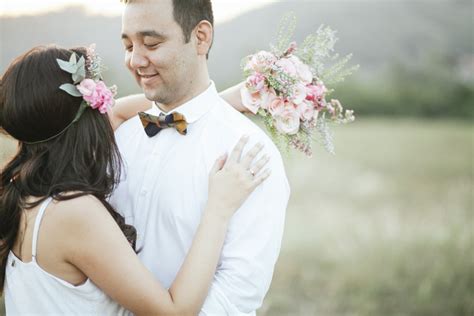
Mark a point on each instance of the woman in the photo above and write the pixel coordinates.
(63, 248)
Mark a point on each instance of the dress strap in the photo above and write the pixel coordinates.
(39, 217)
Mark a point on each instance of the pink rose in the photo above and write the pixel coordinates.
(253, 101)
(255, 82)
(306, 111)
(268, 95)
(276, 106)
(86, 87)
(291, 48)
(315, 93)
(261, 62)
(100, 97)
(288, 120)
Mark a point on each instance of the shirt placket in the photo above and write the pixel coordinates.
(149, 171)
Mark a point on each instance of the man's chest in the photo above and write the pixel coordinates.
(163, 181)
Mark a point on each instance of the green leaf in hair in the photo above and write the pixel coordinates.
(71, 89)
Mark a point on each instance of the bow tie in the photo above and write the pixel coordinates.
(154, 124)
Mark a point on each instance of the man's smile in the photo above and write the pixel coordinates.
(147, 78)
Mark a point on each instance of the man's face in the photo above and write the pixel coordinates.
(156, 53)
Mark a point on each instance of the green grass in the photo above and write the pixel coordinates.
(381, 228)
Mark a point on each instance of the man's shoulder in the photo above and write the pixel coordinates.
(230, 124)
(128, 125)
(129, 130)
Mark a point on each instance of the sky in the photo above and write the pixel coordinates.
(224, 10)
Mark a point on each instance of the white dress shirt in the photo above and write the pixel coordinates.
(164, 190)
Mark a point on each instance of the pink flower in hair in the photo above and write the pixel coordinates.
(86, 87)
(96, 94)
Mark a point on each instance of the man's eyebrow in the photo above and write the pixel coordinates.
(151, 34)
(146, 34)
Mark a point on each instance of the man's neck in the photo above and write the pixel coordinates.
(198, 89)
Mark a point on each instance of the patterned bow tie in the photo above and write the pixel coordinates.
(154, 124)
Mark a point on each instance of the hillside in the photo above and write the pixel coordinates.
(378, 33)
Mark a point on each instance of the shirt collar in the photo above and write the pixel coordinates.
(195, 108)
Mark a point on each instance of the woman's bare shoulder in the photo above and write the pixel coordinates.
(77, 211)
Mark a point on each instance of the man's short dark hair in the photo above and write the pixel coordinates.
(188, 13)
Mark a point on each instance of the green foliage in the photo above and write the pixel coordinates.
(325, 136)
(318, 47)
(280, 140)
(286, 30)
(76, 68)
(338, 71)
(317, 50)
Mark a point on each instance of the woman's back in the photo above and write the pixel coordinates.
(31, 288)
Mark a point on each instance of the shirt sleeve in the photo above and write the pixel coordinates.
(251, 248)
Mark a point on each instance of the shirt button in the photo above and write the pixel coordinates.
(144, 192)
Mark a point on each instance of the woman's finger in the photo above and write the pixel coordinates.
(219, 163)
(236, 153)
(251, 154)
(258, 166)
(260, 178)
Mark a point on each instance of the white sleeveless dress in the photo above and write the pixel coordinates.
(30, 290)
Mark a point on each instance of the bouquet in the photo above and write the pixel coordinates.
(289, 87)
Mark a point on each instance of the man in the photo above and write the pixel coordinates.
(164, 188)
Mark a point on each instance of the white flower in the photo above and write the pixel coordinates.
(306, 111)
(299, 93)
(303, 70)
(288, 121)
(287, 66)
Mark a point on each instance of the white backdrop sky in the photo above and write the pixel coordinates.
(223, 9)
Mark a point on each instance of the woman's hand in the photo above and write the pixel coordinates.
(234, 178)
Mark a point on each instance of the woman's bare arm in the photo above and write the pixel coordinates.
(127, 107)
(232, 96)
(95, 245)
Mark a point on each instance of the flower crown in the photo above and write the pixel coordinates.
(87, 84)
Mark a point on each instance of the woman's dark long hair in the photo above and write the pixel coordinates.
(84, 160)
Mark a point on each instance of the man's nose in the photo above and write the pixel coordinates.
(138, 59)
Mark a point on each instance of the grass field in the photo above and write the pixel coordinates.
(382, 228)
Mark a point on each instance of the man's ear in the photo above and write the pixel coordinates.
(204, 34)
